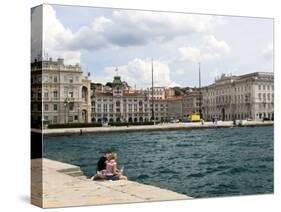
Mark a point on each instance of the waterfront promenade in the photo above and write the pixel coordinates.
(165, 126)
(65, 185)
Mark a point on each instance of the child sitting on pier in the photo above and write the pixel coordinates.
(112, 173)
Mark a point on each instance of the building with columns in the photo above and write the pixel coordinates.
(249, 96)
(59, 93)
(120, 104)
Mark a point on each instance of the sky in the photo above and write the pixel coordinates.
(103, 39)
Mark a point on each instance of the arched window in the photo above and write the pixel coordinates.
(84, 94)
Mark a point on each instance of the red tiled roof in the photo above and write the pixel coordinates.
(103, 94)
(174, 98)
(132, 94)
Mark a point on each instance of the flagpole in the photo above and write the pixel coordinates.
(152, 91)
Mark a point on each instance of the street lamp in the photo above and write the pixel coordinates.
(66, 105)
(78, 113)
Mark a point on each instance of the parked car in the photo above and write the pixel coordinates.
(174, 121)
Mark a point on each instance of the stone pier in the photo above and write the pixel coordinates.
(64, 185)
(165, 127)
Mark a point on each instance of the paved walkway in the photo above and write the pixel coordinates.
(64, 185)
(166, 126)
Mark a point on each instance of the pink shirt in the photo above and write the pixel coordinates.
(109, 167)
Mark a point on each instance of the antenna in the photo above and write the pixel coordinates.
(199, 76)
(200, 93)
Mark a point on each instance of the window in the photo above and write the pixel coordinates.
(71, 106)
(118, 104)
(55, 79)
(105, 108)
(259, 87)
(55, 107)
(263, 87)
(130, 108)
(110, 108)
(46, 107)
(75, 117)
(46, 94)
(45, 78)
(70, 79)
(55, 94)
(70, 94)
(39, 107)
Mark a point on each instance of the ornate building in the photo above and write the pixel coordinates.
(249, 96)
(59, 93)
(120, 104)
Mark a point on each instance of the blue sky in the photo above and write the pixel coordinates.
(103, 39)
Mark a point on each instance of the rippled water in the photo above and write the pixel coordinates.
(199, 163)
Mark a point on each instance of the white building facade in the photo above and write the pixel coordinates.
(59, 93)
(158, 93)
(249, 96)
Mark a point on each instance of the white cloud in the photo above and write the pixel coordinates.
(180, 71)
(190, 53)
(123, 28)
(139, 27)
(174, 84)
(56, 37)
(268, 52)
(211, 43)
(138, 72)
(210, 49)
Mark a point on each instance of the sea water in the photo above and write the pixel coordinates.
(198, 163)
